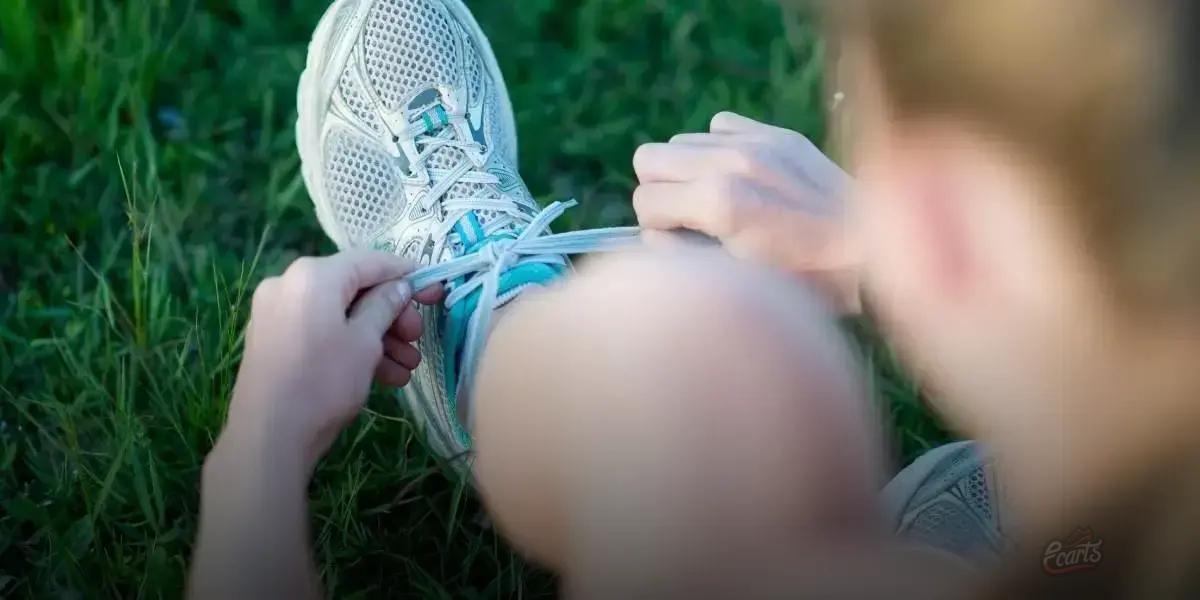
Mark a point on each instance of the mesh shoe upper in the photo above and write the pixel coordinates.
(948, 499)
(400, 50)
(407, 144)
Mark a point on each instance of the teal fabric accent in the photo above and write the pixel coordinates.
(529, 274)
(442, 118)
(474, 221)
(452, 335)
(462, 234)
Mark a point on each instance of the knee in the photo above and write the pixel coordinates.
(729, 351)
(713, 376)
(688, 369)
(698, 332)
(702, 305)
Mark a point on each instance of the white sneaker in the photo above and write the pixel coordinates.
(408, 144)
(950, 499)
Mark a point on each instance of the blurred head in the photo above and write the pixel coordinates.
(1030, 174)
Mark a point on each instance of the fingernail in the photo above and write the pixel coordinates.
(403, 292)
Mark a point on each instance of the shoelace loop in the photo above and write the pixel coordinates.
(499, 253)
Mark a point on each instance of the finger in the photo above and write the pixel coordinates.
(391, 374)
(730, 122)
(377, 309)
(700, 139)
(657, 239)
(409, 326)
(353, 271)
(403, 354)
(674, 239)
(430, 295)
(656, 163)
(668, 206)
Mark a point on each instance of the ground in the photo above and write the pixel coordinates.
(149, 179)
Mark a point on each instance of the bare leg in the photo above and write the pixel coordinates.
(661, 414)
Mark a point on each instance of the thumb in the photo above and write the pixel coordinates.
(731, 122)
(377, 309)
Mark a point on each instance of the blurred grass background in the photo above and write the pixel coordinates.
(149, 180)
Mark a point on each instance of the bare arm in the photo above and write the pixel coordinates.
(317, 336)
(254, 536)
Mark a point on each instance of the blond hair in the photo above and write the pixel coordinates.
(1102, 91)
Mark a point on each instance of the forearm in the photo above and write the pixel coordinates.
(254, 534)
(316, 335)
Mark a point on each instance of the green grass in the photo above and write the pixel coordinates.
(149, 180)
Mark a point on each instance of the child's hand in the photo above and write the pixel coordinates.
(767, 193)
(317, 335)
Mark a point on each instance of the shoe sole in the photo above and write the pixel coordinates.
(323, 69)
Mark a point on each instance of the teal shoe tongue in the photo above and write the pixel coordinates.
(454, 330)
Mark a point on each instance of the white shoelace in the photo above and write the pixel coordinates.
(482, 270)
(468, 170)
